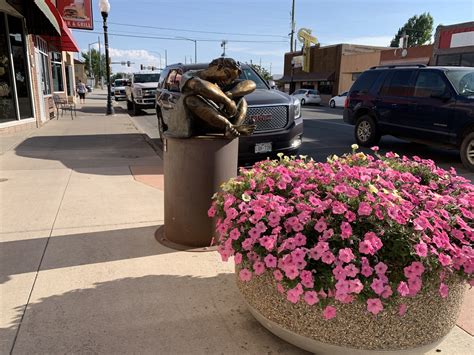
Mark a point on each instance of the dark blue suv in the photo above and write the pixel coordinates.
(433, 105)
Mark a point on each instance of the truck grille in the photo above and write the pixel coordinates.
(268, 118)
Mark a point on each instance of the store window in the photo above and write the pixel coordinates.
(42, 47)
(449, 59)
(467, 60)
(57, 71)
(20, 66)
(325, 87)
(7, 100)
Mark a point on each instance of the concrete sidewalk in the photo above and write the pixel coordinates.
(80, 270)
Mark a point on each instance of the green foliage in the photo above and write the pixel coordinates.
(116, 76)
(264, 73)
(98, 65)
(418, 28)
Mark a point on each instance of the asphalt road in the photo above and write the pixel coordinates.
(326, 134)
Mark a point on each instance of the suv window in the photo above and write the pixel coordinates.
(462, 80)
(249, 74)
(365, 81)
(146, 78)
(429, 83)
(163, 76)
(313, 92)
(398, 83)
(299, 92)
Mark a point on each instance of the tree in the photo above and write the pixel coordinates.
(418, 28)
(98, 66)
(264, 73)
(116, 76)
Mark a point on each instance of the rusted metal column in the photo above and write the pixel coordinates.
(194, 170)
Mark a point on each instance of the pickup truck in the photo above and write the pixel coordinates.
(140, 91)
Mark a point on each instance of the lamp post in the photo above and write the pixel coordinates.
(104, 7)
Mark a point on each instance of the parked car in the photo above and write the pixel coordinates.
(119, 89)
(433, 105)
(338, 100)
(140, 91)
(277, 115)
(307, 96)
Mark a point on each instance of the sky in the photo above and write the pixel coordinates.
(255, 30)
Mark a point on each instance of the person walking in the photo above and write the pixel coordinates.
(81, 90)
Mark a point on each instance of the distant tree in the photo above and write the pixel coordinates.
(418, 28)
(116, 76)
(98, 66)
(264, 73)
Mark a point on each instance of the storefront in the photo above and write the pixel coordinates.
(454, 45)
(333, 69)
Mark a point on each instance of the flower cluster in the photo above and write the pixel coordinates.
(359, 227)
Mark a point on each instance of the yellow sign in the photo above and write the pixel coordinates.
(304, 36)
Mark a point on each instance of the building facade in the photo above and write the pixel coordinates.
(333, 69)
(36, 63)
(454, 45)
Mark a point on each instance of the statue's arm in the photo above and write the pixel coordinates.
(241, 89)
(208, 90)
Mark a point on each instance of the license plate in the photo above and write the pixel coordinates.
(263, 147)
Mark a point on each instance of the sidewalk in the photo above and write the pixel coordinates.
(80, 270)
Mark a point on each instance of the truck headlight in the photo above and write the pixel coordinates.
(297, 104)
(139, 93)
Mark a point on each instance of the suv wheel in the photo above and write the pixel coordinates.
(366, 131)
(302, 102)
(467, 151)
(332, 104)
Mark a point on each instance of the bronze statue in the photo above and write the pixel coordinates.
(212, 102)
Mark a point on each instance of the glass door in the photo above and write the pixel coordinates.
(7, 103)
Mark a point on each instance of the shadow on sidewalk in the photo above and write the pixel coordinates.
(98, 110)
(160, 314)
(23, 256)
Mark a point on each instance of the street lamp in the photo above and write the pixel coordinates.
(104, 7)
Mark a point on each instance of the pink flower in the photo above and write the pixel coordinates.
(375, 148)
(270, 261)
(444, 259)
(366, 248)
(346, 255)
(259, 268)
(339, 273)
(374, 305)
(300, 239)
(237, 258)
(387, 292)
(338, 207)
(403, 289)
(351, 270)
(232, 213)
(350, 216)
(311, 297)
(211, 212)
(306, 277)
(443, 290)
(402, 310)
(328, 257)
(277, 275)
(280, 288)
(421, 249)
(346, 230)
(291, 272)
(245, 275)
(293, 295)
(320, 225)
(380, 268)
(366, 271)
(414, 285)
(364, 209)
(329, 312)
(378, 286)
(234, 234)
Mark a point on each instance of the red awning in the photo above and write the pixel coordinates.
(66, 42)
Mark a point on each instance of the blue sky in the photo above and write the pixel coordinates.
(372, 22)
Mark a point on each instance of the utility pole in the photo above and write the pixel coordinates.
(292, 26)
(223, 44)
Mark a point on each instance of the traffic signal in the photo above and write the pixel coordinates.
(128, 63)
(153, 68)
(142, 67)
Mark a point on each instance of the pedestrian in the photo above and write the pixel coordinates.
(81, 90)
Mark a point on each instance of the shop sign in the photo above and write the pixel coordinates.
(297, 61)
(76, 13)
(305, 37)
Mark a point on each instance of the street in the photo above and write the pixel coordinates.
(326, 134)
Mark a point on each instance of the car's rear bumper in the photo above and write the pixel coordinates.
(285, 141)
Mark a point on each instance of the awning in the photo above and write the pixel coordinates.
(314, 76)
(40, 19)
(66, 41)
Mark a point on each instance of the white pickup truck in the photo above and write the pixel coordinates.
(140, 91)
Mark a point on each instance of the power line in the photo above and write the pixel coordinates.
(181, 38)
(195, 31)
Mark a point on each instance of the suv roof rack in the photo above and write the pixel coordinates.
(399, 66)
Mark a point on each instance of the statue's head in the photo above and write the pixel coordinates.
(224, 70)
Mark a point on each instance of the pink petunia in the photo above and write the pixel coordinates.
(377, 286)
(328, 257)
(270, 261)
(351, 270)
(364, 209)
(350, 216)
(402, 310)
(293, 295)
(291, 272)
(237, 258)
(443, 290)
(259, 268)
(211, 212)
(277, 275)
(321, 225)
(338, 207)
(346, 230)
(421, 249)
(374, 305)
(366, 271)
(403, 289)
(365, 247)
(346, 255)
(311, 297)
(329, 312)
(245, 275)
(380, 268)
(444, 259)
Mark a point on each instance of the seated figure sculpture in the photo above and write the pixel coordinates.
(212, 102)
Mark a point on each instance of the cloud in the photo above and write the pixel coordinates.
(137, 57)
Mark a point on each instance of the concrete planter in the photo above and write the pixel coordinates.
(355, 331)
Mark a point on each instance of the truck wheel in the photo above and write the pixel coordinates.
(366, 131)
(136, 110)
(129, 105)
(332, 104)
(467, 151)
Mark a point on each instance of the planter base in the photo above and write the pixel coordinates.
(321, 348)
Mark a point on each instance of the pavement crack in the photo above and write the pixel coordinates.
(40, 263)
